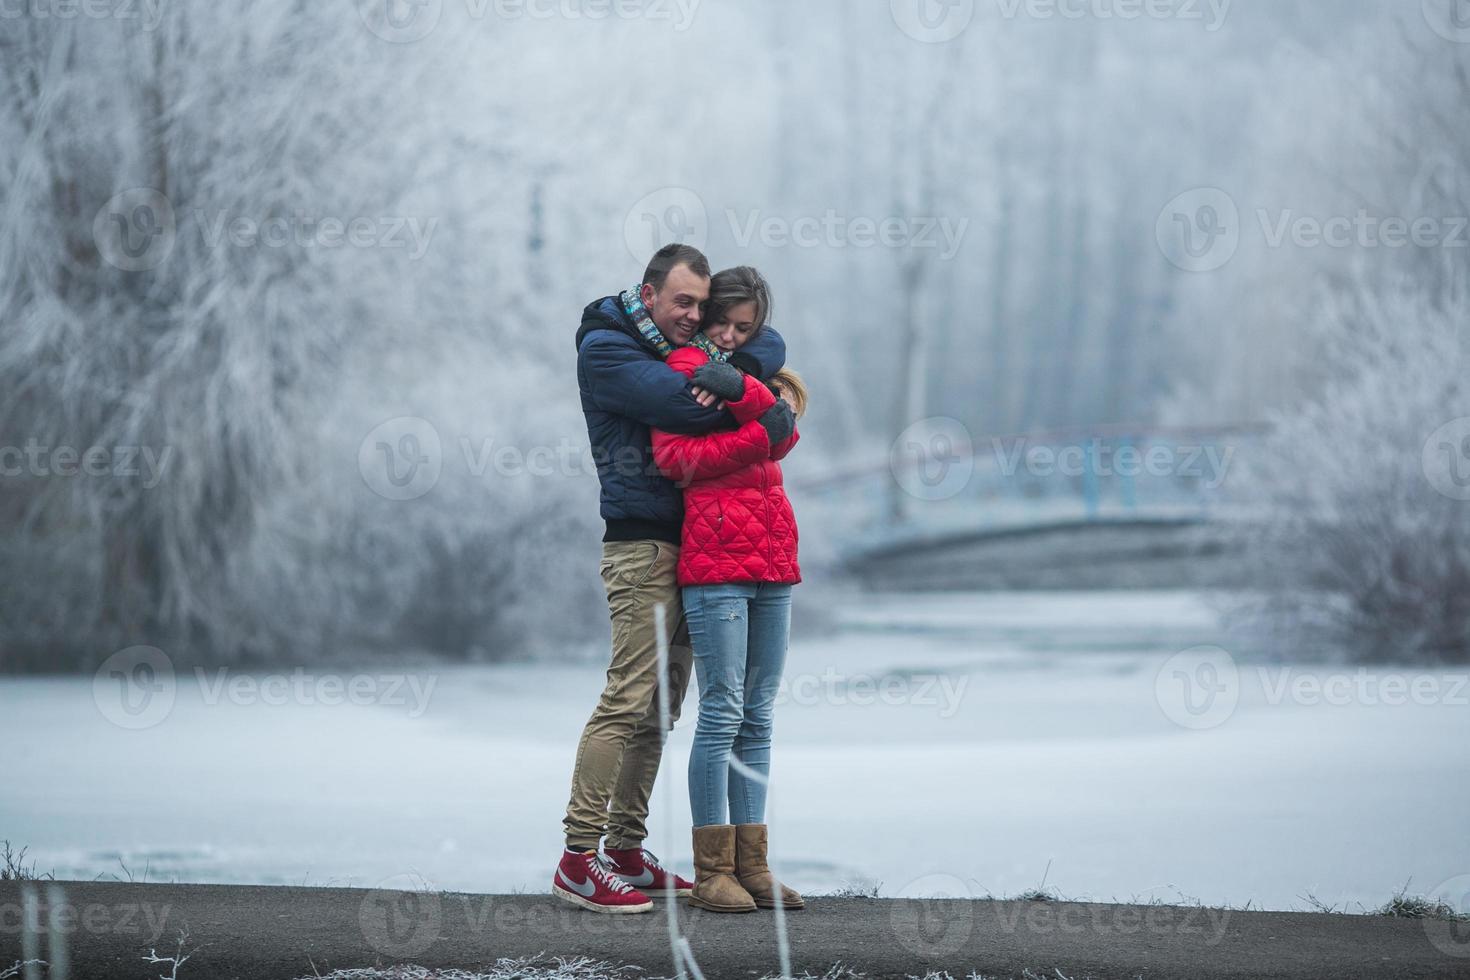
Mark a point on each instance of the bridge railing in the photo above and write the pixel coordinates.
(938, 480)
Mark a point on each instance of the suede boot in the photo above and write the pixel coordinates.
(715, 885)
(753, 874)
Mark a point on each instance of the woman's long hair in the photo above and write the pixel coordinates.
(789, 383)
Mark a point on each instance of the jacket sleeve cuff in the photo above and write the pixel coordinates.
(754, 403)
(747, 363)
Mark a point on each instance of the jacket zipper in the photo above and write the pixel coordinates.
(770, 536)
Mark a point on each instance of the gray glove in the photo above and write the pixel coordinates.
(721, 380)
(779, 422)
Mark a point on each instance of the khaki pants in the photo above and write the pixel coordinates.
(618, 756)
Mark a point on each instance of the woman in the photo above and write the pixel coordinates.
(737, 565)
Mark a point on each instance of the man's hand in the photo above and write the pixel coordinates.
(779, 422)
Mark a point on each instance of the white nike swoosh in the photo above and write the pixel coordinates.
(586, 889)
(639, 880)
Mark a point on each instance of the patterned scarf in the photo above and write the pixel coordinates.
(708, 346)
(633, 306)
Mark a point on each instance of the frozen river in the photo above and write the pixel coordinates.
(936, 744)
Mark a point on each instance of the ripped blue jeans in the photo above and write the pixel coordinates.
(739, 633)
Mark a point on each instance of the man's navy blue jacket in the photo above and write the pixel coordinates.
(627, 389)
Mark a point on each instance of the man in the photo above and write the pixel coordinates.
(627, 390)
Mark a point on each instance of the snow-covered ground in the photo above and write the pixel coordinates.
(936, 744)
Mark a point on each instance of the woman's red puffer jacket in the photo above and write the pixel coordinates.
(738, 524)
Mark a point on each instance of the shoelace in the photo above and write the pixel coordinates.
(604, 873)
(651, 861)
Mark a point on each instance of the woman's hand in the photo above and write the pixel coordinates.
(707, 398)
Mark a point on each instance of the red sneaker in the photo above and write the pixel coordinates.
(639, 868)
(585, 880)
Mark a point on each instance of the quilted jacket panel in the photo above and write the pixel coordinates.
(738, 522)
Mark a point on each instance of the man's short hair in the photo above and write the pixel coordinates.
(667, 258)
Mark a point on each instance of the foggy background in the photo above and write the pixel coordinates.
(973, 212)
(1138, 461)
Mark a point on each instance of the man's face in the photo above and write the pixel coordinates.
(674, 309)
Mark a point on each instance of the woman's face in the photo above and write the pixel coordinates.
(732, 328)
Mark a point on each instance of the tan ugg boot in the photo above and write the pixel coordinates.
(754, 876)
(715, 887)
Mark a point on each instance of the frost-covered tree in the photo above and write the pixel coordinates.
(1365, 542)
(219, 245)
(1363, 549)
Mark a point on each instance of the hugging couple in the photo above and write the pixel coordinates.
(689, 409)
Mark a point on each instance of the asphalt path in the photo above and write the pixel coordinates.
(106, 929)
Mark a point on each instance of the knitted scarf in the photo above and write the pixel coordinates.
(638, 313)
(708, 346)
(633, 306)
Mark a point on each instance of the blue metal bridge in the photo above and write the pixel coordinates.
(943, 499)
